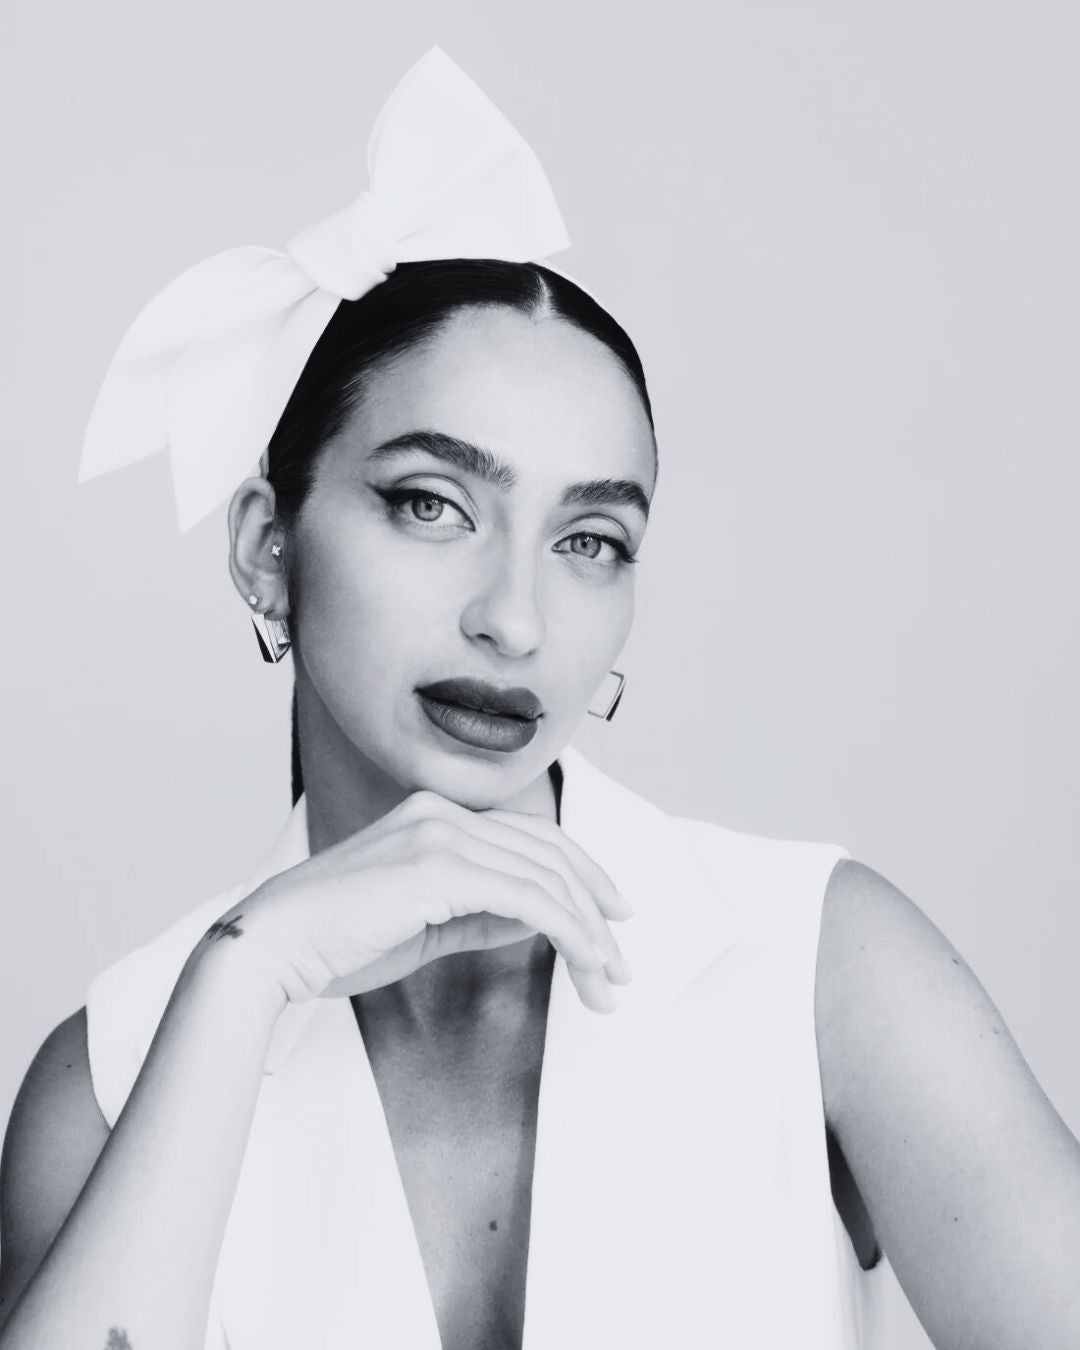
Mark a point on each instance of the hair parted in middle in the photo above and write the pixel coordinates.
(397, 316)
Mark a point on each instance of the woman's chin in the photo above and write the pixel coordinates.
(481, 783)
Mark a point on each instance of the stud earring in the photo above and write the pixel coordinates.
(609, 712)
(275, 550)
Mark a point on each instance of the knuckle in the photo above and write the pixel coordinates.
(422, 802)
(557, 860)
(556, 882)
(431, 833)
(541, 892)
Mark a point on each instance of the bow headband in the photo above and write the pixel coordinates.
(209, 364)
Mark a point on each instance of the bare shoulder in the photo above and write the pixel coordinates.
(970, 1176)
(53, 1138)
(882, 962)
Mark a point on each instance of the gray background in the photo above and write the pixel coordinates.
(844, 238)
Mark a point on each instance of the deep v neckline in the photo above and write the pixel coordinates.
(389, 1160)
(320, 1248)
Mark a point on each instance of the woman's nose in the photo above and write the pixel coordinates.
(506, 607)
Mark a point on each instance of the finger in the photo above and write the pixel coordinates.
(474, 932)
(459, 886)
(426, 804)
(609, 897)
(526, 855)
(545, 850)
(594, 989)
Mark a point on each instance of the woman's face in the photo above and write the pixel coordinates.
(468, 522)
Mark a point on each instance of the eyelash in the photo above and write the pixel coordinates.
(396, 497)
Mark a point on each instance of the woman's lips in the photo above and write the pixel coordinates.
(487, 731)
(482, 696)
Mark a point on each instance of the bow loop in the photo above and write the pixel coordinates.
(349, 252)
(208, 367)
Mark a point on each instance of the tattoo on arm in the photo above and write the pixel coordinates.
(117, 1339)
(219, 930)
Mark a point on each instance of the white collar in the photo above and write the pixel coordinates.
(620, 830)
(320, 1248)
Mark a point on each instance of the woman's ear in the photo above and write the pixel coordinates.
(256, 549)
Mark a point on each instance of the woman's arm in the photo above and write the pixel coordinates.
(54, 1137)
(971, 1178)
(133, 1262)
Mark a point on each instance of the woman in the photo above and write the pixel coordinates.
(312, 1111)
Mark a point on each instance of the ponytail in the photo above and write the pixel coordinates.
(297, 773)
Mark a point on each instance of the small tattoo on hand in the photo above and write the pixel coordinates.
(117, 1339)
(219, 930)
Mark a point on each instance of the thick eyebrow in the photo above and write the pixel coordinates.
(491, 469)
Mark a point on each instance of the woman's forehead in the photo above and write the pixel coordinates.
(537, 392)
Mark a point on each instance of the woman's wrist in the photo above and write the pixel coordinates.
(221, 964)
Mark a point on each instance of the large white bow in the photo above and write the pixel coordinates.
(207, 367)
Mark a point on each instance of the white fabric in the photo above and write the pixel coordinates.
(207, 367)
(681, 1189)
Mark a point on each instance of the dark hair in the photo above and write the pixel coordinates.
(399, 314)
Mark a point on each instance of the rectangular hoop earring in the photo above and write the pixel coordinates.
(609, 712)
(273, 635)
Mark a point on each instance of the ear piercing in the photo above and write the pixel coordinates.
(272, 634)
(275, 551)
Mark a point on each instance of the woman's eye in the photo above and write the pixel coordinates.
(421, 506)
(595, 542)
(425, 507)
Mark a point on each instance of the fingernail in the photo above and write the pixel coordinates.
(624, 905)
(609, 1003)
(619, 968)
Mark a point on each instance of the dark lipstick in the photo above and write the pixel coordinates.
(481, 714)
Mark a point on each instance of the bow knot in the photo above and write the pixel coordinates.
(349, 252)
(208, 366)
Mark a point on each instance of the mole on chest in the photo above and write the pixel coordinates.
(461, 1111)
(463, 1130)
(466, 1170)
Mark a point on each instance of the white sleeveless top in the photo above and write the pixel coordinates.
(681, 1191)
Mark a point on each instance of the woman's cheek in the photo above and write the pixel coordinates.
(599, 613)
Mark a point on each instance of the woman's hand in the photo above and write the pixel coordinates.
(427, 879)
